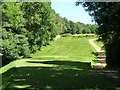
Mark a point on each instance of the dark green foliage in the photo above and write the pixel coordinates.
(14, 41)
(28, 26)
(78, 28)
(14, 46)
(12, 19)
(39, 22)
(62, 26)
(107, 16)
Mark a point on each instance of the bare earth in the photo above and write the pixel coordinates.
(57, 37)
(101, 56)
(97, 48)
(101, 63)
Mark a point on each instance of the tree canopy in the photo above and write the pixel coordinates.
(107, 16)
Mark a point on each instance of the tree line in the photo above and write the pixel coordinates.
(27, 26)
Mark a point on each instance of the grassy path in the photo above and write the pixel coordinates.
(64, 64)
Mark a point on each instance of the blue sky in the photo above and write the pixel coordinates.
(71, 12)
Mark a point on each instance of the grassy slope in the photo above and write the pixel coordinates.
(71, 49)
(64, 64)
(99, 43)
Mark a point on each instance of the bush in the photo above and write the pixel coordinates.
(14, 46)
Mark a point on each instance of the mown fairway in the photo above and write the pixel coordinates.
(64, 64)
(69, 48)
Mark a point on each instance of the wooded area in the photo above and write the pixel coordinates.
(107, 16)
(28, 26)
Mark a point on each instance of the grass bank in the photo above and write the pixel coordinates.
(69, 48)
(64, 64)
(99, 43)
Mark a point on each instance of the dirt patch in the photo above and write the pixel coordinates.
(101, 62)
(57, 37)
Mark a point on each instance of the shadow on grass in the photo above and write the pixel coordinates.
(66, 63)
(95, 53)
(66, 75)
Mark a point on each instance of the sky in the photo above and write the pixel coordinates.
(72, 12)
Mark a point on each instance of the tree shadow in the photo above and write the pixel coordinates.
(99, 55)
(66, 75)
(95, 53)
(66, 63)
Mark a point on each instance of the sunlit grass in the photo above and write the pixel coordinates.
(67, 48)
(22, 86)
(64, 64)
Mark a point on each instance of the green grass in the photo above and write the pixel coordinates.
(64, 64)
(99, 43)
(64, 75)
(67, 49)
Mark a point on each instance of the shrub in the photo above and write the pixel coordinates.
(14, 46)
